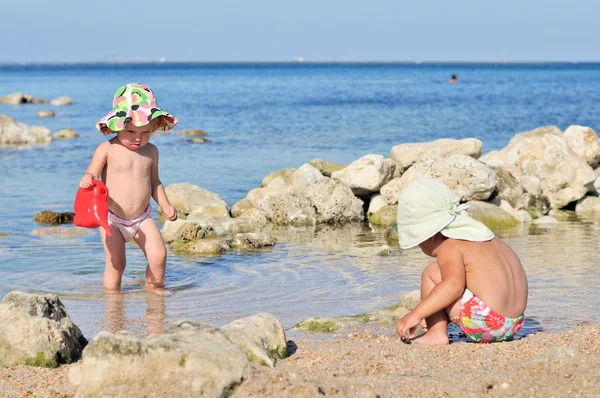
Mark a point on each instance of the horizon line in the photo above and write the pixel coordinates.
(299, 61)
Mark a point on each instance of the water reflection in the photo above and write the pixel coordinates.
(312, 271)
(154, 321)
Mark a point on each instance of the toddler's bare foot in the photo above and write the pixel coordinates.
(431, 339)
(160, 290)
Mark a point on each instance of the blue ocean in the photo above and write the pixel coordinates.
(265, 117)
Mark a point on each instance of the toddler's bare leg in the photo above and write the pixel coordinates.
(437, 323)
(114, 253)
(150, 240)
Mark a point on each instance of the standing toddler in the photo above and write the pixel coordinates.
(128, 165)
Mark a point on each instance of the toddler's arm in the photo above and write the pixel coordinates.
(452, 267)
(158, 191)
(96, 165)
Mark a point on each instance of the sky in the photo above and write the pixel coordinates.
(313, 30)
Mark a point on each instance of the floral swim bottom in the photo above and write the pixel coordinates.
(484, 325)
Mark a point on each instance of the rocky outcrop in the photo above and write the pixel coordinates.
(405, 155)
(507, 186)
(366, 175)
(188, 198)
(285, 174)
(491, 215)
(543, 153)
(15, 133)
(54, 218)
(386, 316)
(45, 113)
(192, 133)
(385, 216)
(66, 134)
(325, 201)
(190, 359)
(20, 98)
(62, 101)
(469, 178)
(584, 142)
(36, 330)
(325, 167)
(260, 336)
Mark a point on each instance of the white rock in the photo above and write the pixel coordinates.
(366, 175)
(404, 155)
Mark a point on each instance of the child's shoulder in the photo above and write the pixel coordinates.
(104, 146)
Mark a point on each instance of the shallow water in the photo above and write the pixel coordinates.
(262, 118)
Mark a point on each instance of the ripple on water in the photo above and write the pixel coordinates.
(322, 271)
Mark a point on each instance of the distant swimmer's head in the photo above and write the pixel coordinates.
(453, 79)
(135, 103)
(427, 207)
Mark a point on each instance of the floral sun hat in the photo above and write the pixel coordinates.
(136, 103)
(429, 206)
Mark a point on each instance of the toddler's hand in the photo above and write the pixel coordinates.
(406, 327)
(86, 181)
(170, 213)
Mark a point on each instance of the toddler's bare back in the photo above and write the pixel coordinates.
(128, 177)
(495, 274)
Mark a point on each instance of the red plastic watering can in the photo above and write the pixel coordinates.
(91, 207)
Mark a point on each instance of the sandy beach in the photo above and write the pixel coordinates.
(376, 365)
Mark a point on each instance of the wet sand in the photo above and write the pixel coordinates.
(371, 365)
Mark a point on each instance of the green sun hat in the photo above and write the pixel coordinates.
(135, 103)
(426, 207)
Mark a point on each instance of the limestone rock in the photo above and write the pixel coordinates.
(240, 207)
(260, 336)
(405, 155)
(15, 133)
(325, 167)
(531, 184)
(20, 98)
(385, 216)
(66, 133)
(192, 133)
(62, 101)
(276, 187)
(285, 174)
(190, 359)
(54, 218)
(584, 142)
(588, 205)
(36, 330)
(222, 226)
(305, 175)
(491, 215)
(45, 113)
(376, 203)
(469, 178)
(256, 218)
(536, 205)
(564, 175)
(207, 246)
(507, 186)
(325, 201)
(252, 241)
(386, 316)
(366, 175)
(187, 197)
